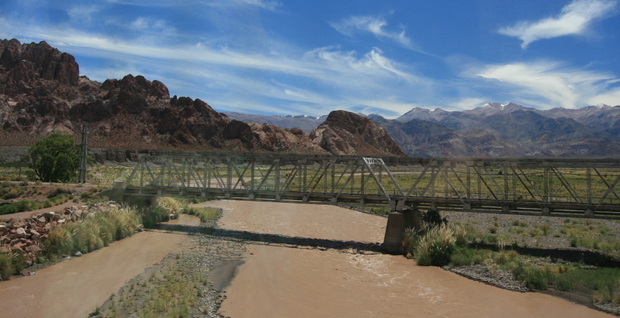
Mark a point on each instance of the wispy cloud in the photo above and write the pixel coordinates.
(467, 103)
(574, 19)
(549, 84)
(372, 64)
(263, 4)
(316, 81)
(375, 25)
(268, 5)
(83, 13)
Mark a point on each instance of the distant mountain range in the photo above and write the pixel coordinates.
(494, 130)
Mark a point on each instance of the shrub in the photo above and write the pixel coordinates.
(18, 261)
(54, 158)
(6, 266)
(7, 209)
(92, 233)
(152, 216)
(57, 192)
(59, 242)
(170, 204)
(205, 214)
(436, 241)
(463, 256)
(436, 246)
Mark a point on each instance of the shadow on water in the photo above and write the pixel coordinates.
(273, 239)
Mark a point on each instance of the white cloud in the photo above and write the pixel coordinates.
(372, 64)
(611, 98)
(574, 19)
(83, 13)
(268, 5)
(549, 83)
(374, 25)
(263, 4)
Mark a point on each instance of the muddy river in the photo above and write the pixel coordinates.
(280, 279)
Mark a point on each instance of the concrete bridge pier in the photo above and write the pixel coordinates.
(398, 222)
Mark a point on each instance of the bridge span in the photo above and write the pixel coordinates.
(545, 187)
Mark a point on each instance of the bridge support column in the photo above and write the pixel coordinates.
(589, 212)
(395, 229)
(546, 211)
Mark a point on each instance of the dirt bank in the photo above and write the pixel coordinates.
(327, 279)
(75, 287)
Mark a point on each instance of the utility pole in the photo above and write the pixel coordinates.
(83, 154)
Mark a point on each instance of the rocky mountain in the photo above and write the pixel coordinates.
(41, 92)
(346, 133)
(495, 130)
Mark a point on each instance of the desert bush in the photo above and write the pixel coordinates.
(435, 246)
(6, 266)
(436, 241)
(8, 209)
(170, 204)
(205, 214)
(59, 242)
(57, 192)
(18, 261)
(464, 256)
(432, 218)
(92, 233)
(154, 215)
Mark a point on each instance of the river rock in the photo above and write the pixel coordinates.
(21, 232)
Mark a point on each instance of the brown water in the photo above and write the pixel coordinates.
(283, 281)
(75, 287)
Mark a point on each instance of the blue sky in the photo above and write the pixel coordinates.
(310, 57)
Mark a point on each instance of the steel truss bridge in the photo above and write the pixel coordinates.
(552, 187)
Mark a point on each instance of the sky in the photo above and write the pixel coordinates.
(290, 57)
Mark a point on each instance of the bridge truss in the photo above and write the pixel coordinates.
(579, 188)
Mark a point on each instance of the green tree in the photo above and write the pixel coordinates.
(54, 158)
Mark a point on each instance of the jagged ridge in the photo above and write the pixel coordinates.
(41, 92)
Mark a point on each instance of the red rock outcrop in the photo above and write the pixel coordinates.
(346, 133)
